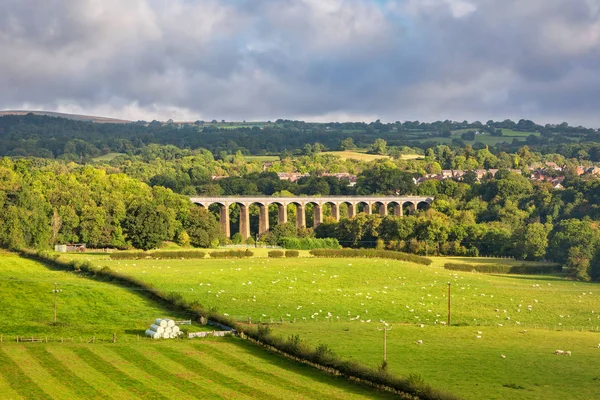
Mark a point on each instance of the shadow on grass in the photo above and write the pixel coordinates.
(280, 361)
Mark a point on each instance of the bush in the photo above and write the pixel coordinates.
(231, 254)
(275, 254)
(307, 243)
(370, 253)
(292, 253)
(505, 269)
(165, 255)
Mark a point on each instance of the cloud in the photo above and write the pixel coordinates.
(308, 59)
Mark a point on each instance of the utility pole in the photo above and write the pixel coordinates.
(449, 284)
(56, 290)
(385, 329)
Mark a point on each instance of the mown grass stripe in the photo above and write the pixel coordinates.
(76, 365)
(49, 384)
(153, 368)
(206, 370)
(18, 380)
(267, 375)
(300, 375)
(117, 376)
(182, 372)
(55, 368)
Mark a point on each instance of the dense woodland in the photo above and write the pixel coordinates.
(52, 191)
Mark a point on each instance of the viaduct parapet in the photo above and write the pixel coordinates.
(382, 205)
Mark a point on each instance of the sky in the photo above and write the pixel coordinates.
(312, 60)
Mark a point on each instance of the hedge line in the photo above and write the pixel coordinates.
(505, 269)
(412, 387)
(292, 253)
(231, 254)
(308, 243)
(275, 254)
(370, 253)
(165, 255)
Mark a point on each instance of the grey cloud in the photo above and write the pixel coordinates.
(409, 59)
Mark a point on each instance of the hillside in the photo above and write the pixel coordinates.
(75, 117)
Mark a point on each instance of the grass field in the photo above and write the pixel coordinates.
(217, 368)
(107, 157)
(341, 302)
(261, 158)
(132, 368)
(356, 155)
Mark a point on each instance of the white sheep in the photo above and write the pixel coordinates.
(567, 353)
(503, 356)
(559, 352)
(419, 341)
(478, 337)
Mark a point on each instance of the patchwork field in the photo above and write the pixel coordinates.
(341, 302)
(132, 368)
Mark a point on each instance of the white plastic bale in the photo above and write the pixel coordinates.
(160, 322)
(168, 330)
(152, 334)
(157, 328)
(166, 336)
(175, 329)
(170, 322)
(174, 335)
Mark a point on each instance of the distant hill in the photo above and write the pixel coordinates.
(76, 117)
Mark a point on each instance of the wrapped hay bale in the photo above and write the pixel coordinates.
(166, 336)
(175, 329)
(170, 322)
(161, 322)
(152, 334)
(168, 330)
(157, 328)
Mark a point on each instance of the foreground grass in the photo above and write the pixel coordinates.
(133, 367)
(340, 302)
(216, 368)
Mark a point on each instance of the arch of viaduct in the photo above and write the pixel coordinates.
(381, 203)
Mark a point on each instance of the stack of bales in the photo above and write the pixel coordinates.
(163, 329)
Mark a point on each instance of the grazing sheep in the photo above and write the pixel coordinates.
(419, 342)
(567, 353)
(559, 352)
(503, 356)
(478, 337)
(479, 333)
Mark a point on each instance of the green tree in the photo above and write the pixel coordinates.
(379, 146)
(347, 144)
(146, 225)
(531, 242)
(202, 227)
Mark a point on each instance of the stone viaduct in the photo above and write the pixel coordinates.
(382, 204)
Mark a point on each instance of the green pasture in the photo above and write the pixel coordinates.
(205, 368)
(84, 307)
(356, 155)
(456, 360)
(107, 157)
(133, 367)
(341, 302)
(261, 158)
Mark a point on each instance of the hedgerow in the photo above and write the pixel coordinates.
(505, 269)
(370, 253)
(292, 253)
(165, 255)
(308, 243)
(231, 254)
(275, 254)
